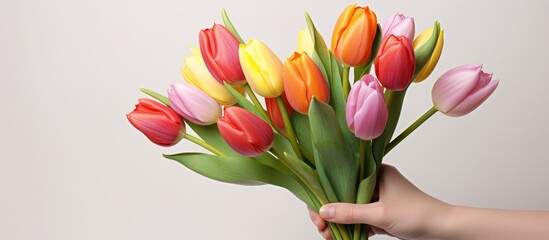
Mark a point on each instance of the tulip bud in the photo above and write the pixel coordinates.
(395, 63)
(366, 112)
(462, 89)
(303, 80)
(197, 74)
(353, 35)
(159, 123)
(219, 48)
(193, 104)
(305, 42)
(433, 60)
(274, 112)
(262, 68)
(399, 25)
(244, 132)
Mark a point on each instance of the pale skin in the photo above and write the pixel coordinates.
(406, 212)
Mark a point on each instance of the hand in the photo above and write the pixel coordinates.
(402, 211)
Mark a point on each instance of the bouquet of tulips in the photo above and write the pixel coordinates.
(320, 136)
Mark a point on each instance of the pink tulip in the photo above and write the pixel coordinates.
(193, 104)
(219, 48)
(399, 25)
(158, 122)
(395, 63)
(245, 132)
(366, 111)
(462, 89)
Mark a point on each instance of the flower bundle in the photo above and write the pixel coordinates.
(319, 136)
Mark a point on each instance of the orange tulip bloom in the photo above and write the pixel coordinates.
(303, 80)
(354, 35)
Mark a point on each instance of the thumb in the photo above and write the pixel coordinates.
(348, 213)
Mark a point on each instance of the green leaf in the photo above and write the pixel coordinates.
(156, 96)
(303, 131)
(423, 53)
(367, 187)
(395, 100)
(244, 102)
(337, 165)
(240, 170)
(229, 25)
(321, 51)
(338, 103)
(365, 69)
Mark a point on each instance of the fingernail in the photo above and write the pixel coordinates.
(327, 212)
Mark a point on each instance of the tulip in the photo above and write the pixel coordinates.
(366, 112)
(274, 112)
(193, 104)
(262, 68)
(399, 25)
(244, 132)
(197, 74)
(353, 35)
(395, 63)
(159, 123)
(305, 42)
(462, 89)
(303, 80)
(219, 48)
(433, 60)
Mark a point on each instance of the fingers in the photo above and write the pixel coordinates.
(317, 220)
(347, 213)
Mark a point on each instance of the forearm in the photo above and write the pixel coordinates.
(459, 222)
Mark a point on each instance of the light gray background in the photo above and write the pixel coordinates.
(72, 167)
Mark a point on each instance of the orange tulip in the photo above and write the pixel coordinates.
(303, 80)
(354, 35)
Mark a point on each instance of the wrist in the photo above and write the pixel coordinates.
(439, 225)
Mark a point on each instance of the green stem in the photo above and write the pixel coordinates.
(257, 104)
(204, 145)
(345, 79)
(362, 159)
(337, 229)
(410, 129)
(289, 128)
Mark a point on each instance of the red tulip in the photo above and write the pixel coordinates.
(158, 122)
(395, 63)
(219, 48)
(274, 112)
(245, 132)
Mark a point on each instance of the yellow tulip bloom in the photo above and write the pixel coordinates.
(433, 60)
(262, 68)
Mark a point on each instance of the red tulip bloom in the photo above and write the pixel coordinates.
(395, 63)
(158, 122)
(245, 132)
(274, 112)
(219, 48)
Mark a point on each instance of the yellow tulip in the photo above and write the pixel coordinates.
(197, 74)
(433, 60)
(305, 42)
(262, 68)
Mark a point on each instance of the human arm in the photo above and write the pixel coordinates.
(404, 211)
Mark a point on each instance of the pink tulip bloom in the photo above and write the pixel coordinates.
(366, 111)
(395, 63)
(245, 132)
(219, 48)
(159, 123)
(399, 25)
(194, 105)
(462, 89)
